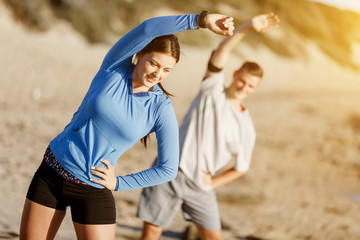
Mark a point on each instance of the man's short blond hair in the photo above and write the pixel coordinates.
(253, 68)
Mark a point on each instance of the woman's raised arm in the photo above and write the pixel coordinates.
(140, 36)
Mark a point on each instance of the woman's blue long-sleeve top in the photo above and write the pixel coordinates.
(112, 118)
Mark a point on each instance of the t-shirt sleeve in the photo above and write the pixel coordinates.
(167, 135)
(140, 36)
(213, 84)
(244, 155)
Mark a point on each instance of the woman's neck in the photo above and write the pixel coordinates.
(137, 87)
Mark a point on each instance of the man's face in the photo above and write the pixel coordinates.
(244, 83)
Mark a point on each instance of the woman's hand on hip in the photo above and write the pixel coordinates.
(219, 24)
(107, 174)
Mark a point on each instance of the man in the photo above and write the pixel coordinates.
(216, 127)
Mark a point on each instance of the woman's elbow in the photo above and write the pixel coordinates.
(170, 174)
(173, 174)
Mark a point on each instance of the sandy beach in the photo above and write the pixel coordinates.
(304, 178)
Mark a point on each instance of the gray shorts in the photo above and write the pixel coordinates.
(159, 204)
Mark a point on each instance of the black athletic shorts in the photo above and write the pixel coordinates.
(89, 205)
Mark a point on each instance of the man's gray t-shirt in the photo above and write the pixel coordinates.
(213, 131)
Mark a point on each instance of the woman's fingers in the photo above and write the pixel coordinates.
(107, 163)
(107, 174)
(101, 169)
(101, 182)
(100, 172)
(220, 24)
(229, 24)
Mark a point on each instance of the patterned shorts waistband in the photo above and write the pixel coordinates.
(50, 159)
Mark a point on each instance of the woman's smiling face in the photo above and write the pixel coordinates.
(151, 68)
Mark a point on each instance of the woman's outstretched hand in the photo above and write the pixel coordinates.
(219, 24)
(107, 174)
(261, 23)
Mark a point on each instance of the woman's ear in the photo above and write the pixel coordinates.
(139, 55)
(136, 58)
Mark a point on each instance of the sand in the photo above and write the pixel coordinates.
(304, 178)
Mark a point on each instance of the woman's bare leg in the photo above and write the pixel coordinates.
(95, 231)
(39, 222)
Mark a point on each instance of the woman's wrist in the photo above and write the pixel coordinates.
(202, 19)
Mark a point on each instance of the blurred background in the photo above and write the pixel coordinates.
(335, 31)
(304, 178)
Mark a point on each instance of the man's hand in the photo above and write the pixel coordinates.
(207, 179)
(262, 23)
(107, 174)
(222, 179)
(219, 24)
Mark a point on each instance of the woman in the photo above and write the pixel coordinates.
(125, 102)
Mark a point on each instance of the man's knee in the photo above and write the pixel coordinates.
(151, 231)
(209, 234)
